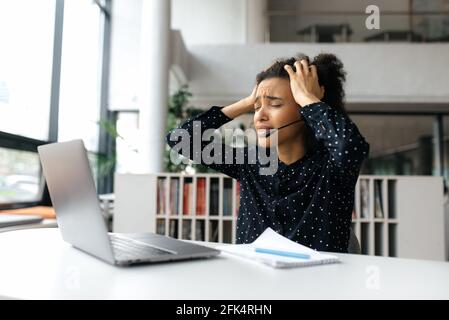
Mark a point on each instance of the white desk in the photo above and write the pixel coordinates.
(37, 264)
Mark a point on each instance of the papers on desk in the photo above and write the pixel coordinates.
(278, 252)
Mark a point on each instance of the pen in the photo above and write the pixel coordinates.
(283, 253)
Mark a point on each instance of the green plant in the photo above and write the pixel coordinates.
(105, 163)
(178, 112)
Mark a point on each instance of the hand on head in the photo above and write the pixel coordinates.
(304, 83)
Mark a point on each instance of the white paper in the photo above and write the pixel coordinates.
(270, 239)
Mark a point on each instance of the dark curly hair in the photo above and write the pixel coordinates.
(330, 71)
(331, 75)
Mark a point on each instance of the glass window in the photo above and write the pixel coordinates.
(79, 108)
(399, 144)
(126, 143)
(20, 176)
(26, 35)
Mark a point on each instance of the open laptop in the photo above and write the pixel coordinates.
(72, 191)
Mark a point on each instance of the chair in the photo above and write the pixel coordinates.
(353, 245)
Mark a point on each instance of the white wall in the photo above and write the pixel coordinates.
(210, 21)
(391, 73)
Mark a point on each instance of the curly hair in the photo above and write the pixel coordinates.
(331, 75)
(330, 72)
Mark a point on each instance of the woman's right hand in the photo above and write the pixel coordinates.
(242, 106)
(251, 99)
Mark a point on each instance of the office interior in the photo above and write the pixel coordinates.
(116, 73)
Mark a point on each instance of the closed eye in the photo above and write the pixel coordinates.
(273, 105)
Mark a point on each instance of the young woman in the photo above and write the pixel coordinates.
(310, 197)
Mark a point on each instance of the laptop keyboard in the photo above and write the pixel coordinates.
(131, 249)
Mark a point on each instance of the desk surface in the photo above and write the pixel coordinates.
(38, 264)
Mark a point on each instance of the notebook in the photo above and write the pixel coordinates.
(278, 252)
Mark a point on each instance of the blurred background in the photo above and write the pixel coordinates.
(120, 73)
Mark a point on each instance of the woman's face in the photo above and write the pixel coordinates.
(275, 107)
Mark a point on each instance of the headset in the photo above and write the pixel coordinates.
(267, 134)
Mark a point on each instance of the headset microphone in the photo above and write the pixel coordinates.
(267, 134)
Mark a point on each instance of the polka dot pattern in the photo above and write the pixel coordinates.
(309, 201)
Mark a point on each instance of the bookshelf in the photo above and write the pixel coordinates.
(201, 207)
(393, 216)
(400, 216)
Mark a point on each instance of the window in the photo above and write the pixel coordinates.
(79, 103)
(20, 176)
(126, 144)
(21, 180)
(26, 35)
(399, 144)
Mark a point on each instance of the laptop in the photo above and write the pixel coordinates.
(72, 190)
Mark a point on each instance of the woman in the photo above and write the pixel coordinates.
(310, 197)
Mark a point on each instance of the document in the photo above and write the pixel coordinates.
(273, 249)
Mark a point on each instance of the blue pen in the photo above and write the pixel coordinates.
(283, 253)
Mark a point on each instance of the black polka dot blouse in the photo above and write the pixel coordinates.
(309, 201)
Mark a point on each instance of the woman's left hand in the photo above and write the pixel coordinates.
(304, 83)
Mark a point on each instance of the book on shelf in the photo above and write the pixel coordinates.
(364, 198)
(227, 231)
(187, 196)
(237, 197)
(378, 206)
(173, 228)
(213, 231)
(160, 226)
(174, 196)
(161, 182)
(200, 230)
(227, 196)
(187, 230)
(196, 194)
(201, 197)
(214, 197)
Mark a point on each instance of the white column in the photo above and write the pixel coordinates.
(153, 86)
(256, 22)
